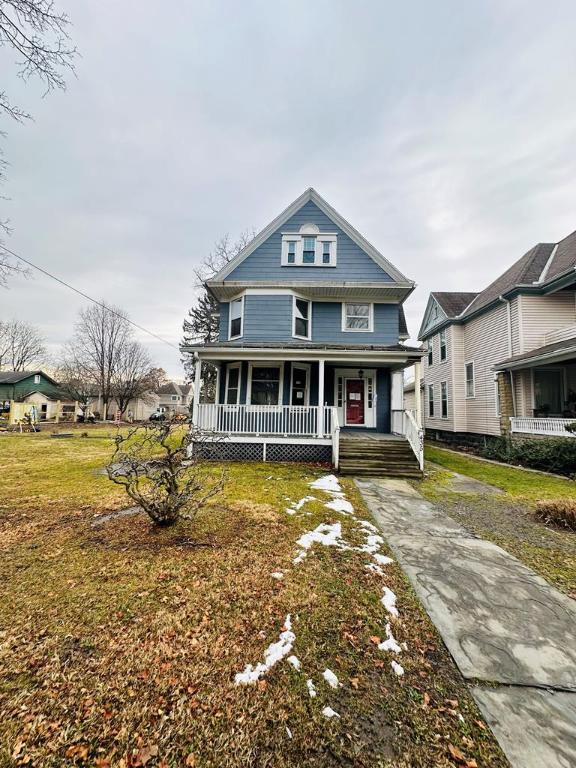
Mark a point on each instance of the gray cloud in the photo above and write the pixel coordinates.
(444, 132)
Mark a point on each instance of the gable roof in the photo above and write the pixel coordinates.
(13, 377)
(310, 195)
(455, 302)
(526, 271)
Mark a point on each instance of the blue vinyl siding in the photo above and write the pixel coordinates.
(327, 325)
(352, 262)
(269, 318)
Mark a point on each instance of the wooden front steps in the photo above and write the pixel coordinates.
(377, 455)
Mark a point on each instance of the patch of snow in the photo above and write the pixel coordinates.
(373, 543)
(277, 575)
(382, 559)
(398, 668)
(330, 678)
(294, 662)
(369, 526)
(340, 504)
(329, 535)
(311, 688)
(296, 506)
(329, 712)
(375, 569)
(389, 602)
(328, 483)
(390, 643)
(272, 655)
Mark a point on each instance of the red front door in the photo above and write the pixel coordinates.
(354, 401)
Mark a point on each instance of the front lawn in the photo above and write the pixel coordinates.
(507, 519)
(120, 645)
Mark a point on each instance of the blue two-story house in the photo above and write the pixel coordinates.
(310, 354)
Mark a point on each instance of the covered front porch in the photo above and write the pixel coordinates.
(293, 402)
(543, 388)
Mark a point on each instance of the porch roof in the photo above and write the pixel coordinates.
(395, 355)
(559, 352)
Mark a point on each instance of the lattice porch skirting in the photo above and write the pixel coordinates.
(264, 451)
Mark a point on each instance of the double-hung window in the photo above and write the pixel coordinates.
(301, 318)
(309, 250)
(469, 373)
(265, 385)
(236, 318)
(444, 399)
(442, 346)
(357, 317)
(431, 400)
(291, 253)
(430, 352)
(233, 384)
(326, 257)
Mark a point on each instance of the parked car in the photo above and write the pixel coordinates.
(157, 416)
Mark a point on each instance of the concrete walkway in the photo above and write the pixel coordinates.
(501, 622)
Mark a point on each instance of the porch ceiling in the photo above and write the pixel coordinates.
(560, 352)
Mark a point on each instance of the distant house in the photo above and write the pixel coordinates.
(504, 359)
(310, 353)
(170, 399)
(39, 389)
(174, 398)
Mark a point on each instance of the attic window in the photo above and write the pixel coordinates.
(37, 378)
(308, 249)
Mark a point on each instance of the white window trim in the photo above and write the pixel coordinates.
(473, 395)
(309, 302)
(497, 408)
(447, 401)
(265, 364)
(306, 367)
(238, 336)
(320, 237)
(370, 328)
(228, 367)
(433, 401)
(440, 359)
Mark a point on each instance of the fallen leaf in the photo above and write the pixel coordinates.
(354, 682)
(376, 640)
(425, 699)
(456, 753)
(191, 760)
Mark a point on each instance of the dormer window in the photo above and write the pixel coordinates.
(309, 248)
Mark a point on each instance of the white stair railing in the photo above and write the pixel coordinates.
(415, 436)
(335, 438)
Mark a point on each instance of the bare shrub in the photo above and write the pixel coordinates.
(561, 512)
(159, 472)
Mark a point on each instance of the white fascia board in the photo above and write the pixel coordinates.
(282, 353)
(310, 195)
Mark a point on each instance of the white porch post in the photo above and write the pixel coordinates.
(320, 398)
(197, 390)
(418, 392)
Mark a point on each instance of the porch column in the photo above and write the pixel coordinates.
(418, 392)
(320, 398)
(197, 390)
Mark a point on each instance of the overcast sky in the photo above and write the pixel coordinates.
(445, 132)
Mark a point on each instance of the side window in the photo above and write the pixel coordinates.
(236, 318)
(430, 353)
(442, 345)
(469, 370)
(431, 400)
(444, 399)
(301, 319)
(357, 317)
(233, 385)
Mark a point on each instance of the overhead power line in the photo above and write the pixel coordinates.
(89, 298)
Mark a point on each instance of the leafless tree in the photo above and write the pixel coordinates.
(202, 321)
(154, 464)
(38, 34)
(21, 345)
(133, 375)
(99, 335)
(73, 380)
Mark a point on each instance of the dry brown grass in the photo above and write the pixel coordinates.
(561, 513)
(119, 643)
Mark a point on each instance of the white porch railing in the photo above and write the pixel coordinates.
(415, 436)
(267, 420)
(533, 426)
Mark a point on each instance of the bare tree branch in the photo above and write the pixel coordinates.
(21, 345)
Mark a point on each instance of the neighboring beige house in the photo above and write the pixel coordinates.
(504, 359)
(174, 398)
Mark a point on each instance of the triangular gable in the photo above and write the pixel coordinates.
(433, 316)
(310, 195)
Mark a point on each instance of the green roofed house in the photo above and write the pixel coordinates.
(38, 388)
